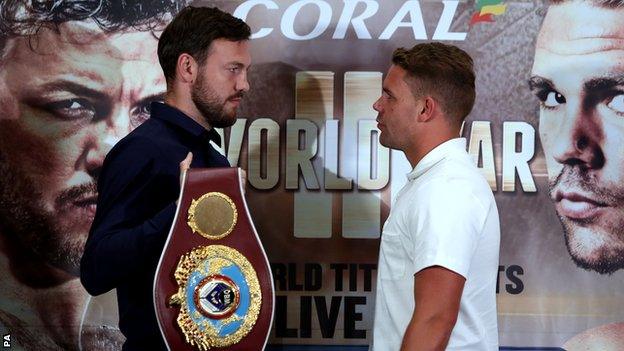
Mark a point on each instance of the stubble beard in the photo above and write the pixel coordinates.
(209, 105)
(34, 231)
(596, 248)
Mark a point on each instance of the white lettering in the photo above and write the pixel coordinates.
(416, 23)
(358, 22)
(255, 155)
(288, 20)
(242, 11)
(518, 161)
(444, 24)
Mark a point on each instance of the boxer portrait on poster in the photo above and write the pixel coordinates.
(75, 77)
(578, 77)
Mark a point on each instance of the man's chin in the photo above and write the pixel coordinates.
(227, 120)
(62, 244)
(593, 249)
(229, 113)
(64, 255)
(44, 263)
(384, 141)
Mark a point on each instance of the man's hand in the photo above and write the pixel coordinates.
(184, 166)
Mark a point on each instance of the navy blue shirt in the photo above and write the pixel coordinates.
(138, 187)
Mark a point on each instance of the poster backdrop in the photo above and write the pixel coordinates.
(320, 186)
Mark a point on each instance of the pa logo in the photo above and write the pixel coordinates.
(6, 341)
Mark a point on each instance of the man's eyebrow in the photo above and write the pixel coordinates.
(603, 83)
(76, 88)
(540, 83)
(160, 96)
(236, 63)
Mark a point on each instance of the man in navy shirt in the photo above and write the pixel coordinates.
(204, 54)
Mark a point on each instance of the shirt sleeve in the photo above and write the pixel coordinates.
(132, 220)
(446, 226)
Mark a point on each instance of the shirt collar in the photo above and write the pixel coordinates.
(436, 155)
(179, 119)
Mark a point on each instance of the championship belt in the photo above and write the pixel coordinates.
(213, 287)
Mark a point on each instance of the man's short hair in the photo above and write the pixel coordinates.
(192, 31)
(443, 71)
(27, 17)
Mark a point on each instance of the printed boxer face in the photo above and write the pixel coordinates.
(67, 98)
(578, 77)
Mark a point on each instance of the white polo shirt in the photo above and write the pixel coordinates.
(444, 216)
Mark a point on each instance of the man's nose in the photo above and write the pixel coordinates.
(104, 135)
(242, 84)
(579, 138)
(377, 105)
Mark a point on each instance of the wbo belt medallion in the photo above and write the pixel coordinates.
(219, 296)
(213, 286)
(216, 296)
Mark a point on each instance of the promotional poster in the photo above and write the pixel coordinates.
(77, 76)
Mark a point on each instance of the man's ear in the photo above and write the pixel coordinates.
(426, 109)
(186, 68)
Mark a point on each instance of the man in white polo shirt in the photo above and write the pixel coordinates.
(438, 261)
